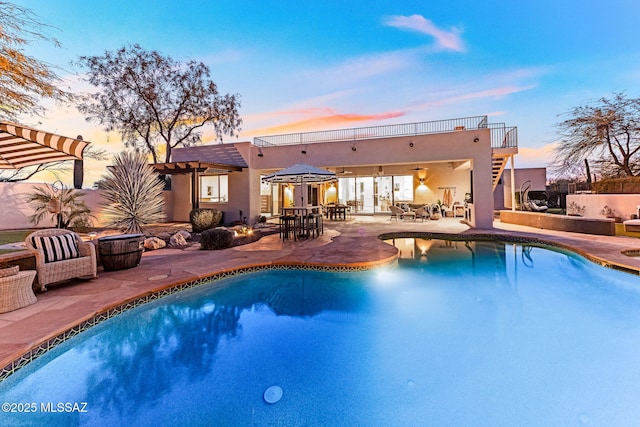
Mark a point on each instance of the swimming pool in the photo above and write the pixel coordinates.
(457, 333)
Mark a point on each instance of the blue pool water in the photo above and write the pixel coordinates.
(476, 333)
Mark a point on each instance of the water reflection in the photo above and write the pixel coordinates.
(139, 357)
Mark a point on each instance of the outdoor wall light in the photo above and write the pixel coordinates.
(260, 152)
(303, 151)
(353, 148)
(476, 139)
(411, 144)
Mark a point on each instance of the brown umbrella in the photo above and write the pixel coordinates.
(21, 146)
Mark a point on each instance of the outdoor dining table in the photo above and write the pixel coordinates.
(337, 212)
(304, 223)
(300, 210)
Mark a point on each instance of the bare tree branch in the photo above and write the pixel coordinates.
(606, 132)
(154, 101)
(24, 80)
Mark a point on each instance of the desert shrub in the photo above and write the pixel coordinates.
(132, 193)
(204, 219)
(216, 238)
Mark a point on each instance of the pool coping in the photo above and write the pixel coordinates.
(54, 339)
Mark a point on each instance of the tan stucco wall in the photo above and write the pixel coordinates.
(624, 205)
(15, 211)
(181, 203)
(398, 152)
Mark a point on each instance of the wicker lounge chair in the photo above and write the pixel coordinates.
(423, 212)
(396, 213)
(61, 255)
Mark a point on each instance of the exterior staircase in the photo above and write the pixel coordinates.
(499, 162)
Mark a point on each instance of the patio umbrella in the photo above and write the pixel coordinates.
(300, 173)
(21, 146)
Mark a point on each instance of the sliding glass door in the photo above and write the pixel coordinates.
(369, 194)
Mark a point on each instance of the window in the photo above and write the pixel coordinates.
(214, 188)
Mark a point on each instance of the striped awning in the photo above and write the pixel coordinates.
(21, 146)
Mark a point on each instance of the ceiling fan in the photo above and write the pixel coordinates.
(344, 172)
(418, 168)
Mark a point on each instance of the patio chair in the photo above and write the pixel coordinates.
(396, 213)
(61, 255)
(422, 212)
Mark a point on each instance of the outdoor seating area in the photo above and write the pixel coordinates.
(433, 211)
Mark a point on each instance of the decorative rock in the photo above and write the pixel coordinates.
(178, 241)
(153, 243)
(164, 236)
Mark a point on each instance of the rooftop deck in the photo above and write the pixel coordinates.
(502, 136)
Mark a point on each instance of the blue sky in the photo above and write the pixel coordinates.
(310, 65)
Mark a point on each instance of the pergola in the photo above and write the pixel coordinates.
(195, 169)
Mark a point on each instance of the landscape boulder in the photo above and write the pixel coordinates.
(153, 243)
(178, 241)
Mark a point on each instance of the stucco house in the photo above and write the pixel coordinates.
(413, 163)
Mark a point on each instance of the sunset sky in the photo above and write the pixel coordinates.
(315, 65)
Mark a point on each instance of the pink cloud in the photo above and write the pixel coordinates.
(320, 118)
(448, 40)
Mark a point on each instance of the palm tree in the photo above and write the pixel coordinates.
(133, 193)
(64, 207)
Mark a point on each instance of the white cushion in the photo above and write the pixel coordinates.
(57, 248)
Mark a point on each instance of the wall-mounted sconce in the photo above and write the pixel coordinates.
(353, 147)
(476, 139)
(421, 181)
(411, 144)
(304, 150)
(260, 152)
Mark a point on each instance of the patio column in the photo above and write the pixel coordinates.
(195, 190)
(513, 185)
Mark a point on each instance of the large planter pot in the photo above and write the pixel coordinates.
(120, 251)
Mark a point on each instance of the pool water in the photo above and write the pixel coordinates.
(457, 333)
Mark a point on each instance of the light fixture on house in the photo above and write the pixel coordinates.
(353, 147)
(421, 181)
(304, 150)
(476, 139)
(260, 152)
(411, 144)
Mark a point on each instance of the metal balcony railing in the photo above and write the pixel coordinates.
(501, 135)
